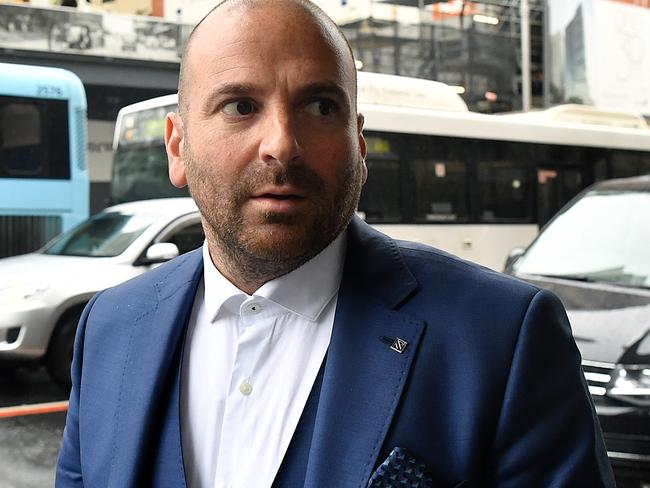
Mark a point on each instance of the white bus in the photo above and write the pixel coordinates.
(472, 184)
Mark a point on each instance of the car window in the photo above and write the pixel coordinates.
(603, 237)
(187, 238)
(106, 234)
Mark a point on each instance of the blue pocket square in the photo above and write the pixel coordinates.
(400, 470)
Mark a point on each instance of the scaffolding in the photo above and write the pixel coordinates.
(474, 46)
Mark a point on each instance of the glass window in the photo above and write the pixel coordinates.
(144, 127)
(440, 190)
(187, 238)
(34, 138)
(629, 163)
(107, 234)
(603, 237)
(381, 195)
(504, 190)
(140, 173)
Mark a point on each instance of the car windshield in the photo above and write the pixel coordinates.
(106, 234)
(604, 237)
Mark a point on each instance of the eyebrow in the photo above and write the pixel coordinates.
(323, 88)
(319, 88)
(225, 90)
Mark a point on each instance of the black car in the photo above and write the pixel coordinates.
(595, 254)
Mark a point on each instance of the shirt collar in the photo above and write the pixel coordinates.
(305, 291)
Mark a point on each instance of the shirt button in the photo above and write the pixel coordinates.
(254, 307)
(245, 388)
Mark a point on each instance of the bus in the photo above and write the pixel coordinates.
(44, 184)
(472, 184)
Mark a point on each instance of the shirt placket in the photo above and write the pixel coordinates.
(255, 324)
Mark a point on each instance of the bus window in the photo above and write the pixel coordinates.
(22, 145)
(381, 195)
(628, 163)
(556, 185)
(438, 179)
(504, 188)
(440, 190)
(34, 138)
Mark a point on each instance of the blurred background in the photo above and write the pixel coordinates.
(490, 123)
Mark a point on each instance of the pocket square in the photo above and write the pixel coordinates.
(400, 470)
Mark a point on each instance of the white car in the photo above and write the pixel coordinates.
(42, 294)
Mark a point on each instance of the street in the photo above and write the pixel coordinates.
(30, 443)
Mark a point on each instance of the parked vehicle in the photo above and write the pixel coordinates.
(42, 294)
(595, 254)
(44, 181)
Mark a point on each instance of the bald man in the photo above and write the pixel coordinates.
(299, 347)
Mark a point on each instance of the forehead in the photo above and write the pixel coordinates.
(243, 41)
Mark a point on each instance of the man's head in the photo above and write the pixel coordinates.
(268, 139)
(332, 30)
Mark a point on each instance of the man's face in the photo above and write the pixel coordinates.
(271, 144)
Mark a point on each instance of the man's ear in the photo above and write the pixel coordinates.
(363, 148)
(174, 135)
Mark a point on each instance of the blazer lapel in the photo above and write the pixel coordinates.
(151, 386)
(363, 377)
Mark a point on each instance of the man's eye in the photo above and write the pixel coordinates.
(321, 108)
(238, 108)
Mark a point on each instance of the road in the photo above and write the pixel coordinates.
(30, 443)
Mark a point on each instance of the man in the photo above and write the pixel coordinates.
(300, 347)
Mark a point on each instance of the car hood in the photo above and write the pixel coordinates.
(65, 275)
(610, 323)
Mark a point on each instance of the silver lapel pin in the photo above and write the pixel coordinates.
(397, 344)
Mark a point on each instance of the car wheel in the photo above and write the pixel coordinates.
(59, 355)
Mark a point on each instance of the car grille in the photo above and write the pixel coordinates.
(598, 376)
(639, 445)
(626, 431)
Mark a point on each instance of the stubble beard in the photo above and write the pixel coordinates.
(253, 253)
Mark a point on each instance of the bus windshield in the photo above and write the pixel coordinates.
(140, 173)
(140, 161)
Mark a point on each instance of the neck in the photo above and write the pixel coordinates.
(248, 272)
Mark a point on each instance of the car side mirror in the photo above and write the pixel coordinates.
(161, 252)
(513, 255)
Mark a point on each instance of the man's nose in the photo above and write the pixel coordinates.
(279, 142)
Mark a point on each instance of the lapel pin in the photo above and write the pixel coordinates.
(397, 344)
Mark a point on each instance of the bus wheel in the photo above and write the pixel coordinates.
(59, 355)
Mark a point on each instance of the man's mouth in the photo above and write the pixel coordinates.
(276, 196)
(278, 200)
(279, 193)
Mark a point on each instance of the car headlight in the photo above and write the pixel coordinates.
(631, 384)
(15, 293)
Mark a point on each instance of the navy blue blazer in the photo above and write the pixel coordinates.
(488, 388)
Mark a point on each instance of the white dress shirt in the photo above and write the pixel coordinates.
(249, 364)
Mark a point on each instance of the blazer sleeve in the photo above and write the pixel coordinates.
(68, 469)
(548, 432)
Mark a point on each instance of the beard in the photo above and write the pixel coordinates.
(258, 248)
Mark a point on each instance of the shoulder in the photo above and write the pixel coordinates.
(139, 293)
(473, 308)
(378, 262)
(432, 266)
